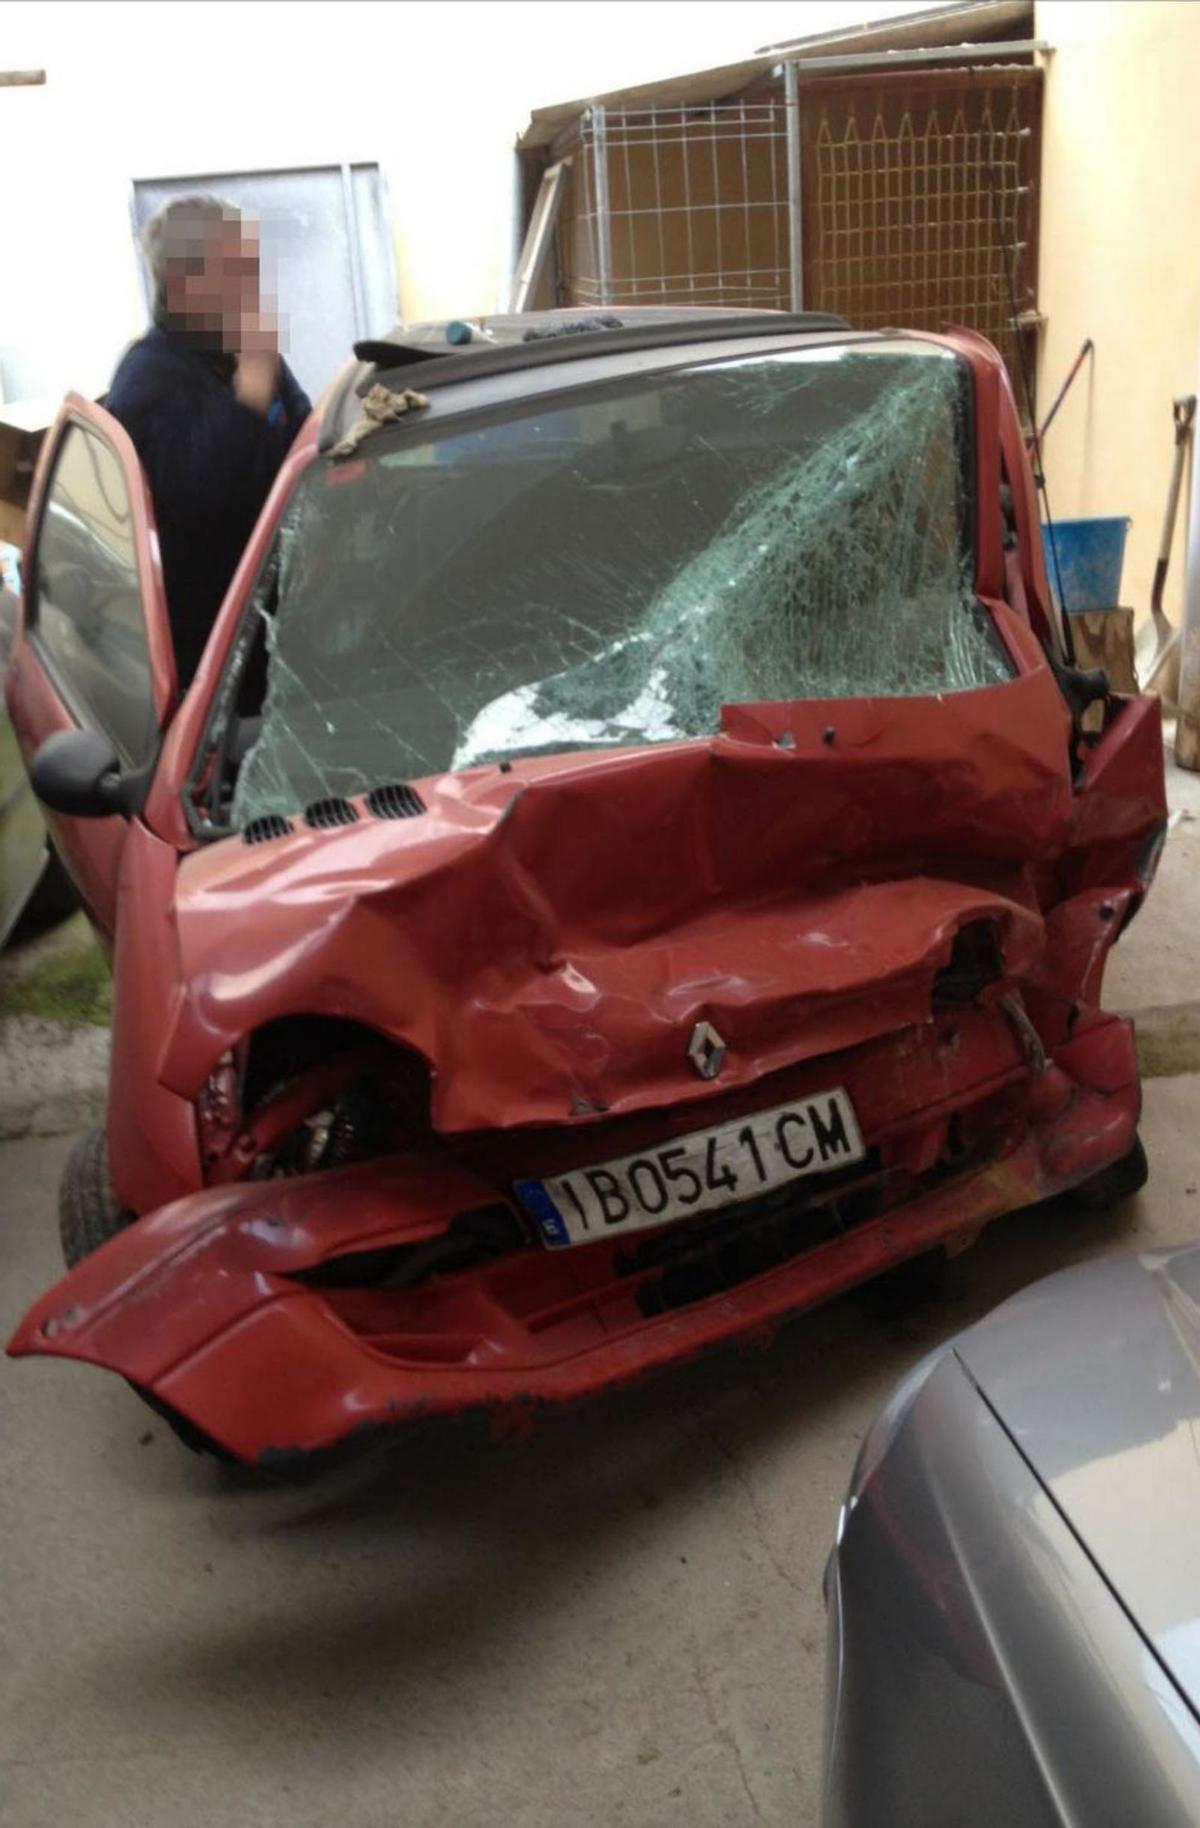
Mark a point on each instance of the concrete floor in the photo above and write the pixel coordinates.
(618, 1622)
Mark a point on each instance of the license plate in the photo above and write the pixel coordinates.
(718, 1167)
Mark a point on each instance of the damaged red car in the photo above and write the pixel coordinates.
(637, 857)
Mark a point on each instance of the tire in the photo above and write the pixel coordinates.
(88, 1216)
(88, 1213)
(1112, 1185)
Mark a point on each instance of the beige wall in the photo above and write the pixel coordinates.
(1120, 260)
(436, 93)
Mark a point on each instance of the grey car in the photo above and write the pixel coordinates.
(1014, 1595)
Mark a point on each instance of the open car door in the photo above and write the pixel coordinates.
(93, 654)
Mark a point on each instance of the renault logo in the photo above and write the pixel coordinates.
(706, 1050)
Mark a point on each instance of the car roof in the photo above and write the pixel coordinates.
(458, 349)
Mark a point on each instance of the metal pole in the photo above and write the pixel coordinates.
(354, 249)
(791, 93)
(603, 216)
(539, 240)
(514, 193)
(142, 270)
(1187, 730)
(874, 61)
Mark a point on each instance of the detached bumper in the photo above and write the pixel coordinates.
(203, 1303)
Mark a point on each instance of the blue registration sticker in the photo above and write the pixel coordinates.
(543, 1211)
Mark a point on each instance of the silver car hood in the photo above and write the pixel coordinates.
(1095, 1375)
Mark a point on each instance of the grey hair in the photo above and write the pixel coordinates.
(177, 232)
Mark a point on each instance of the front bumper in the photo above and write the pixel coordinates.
(209, 1303)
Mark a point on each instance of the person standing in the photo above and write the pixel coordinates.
(209, 403)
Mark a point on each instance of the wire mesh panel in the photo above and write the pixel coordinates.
(919, 201)
(695, 210)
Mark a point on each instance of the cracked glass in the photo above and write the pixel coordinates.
(609, 567)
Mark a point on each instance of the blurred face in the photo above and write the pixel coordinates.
(214, 290)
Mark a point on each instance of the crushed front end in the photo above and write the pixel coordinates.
(917, 1054)
(278, 1317)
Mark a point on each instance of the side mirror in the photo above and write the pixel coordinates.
(77, 772)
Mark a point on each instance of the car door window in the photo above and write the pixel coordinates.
(86, 603)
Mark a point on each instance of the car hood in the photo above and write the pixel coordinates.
(548, 937)
(1095, 1374)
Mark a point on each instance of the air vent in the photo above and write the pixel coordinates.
(395, 801)
(325, 815)
(261, 831)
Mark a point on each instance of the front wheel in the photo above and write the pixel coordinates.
(88, 1216)
(88, 1213)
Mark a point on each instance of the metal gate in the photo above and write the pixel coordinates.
(903, 199)
(678, 206)
(919, 202)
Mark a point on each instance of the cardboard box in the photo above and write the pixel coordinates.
(1104, 637)
(23, 425)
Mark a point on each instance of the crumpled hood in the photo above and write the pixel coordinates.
(1095, 1373)
(547, 937)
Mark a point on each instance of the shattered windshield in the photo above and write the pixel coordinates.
(611, 566)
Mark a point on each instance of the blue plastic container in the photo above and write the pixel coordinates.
(1091, 554)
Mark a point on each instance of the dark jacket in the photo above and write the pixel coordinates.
(210, 463)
